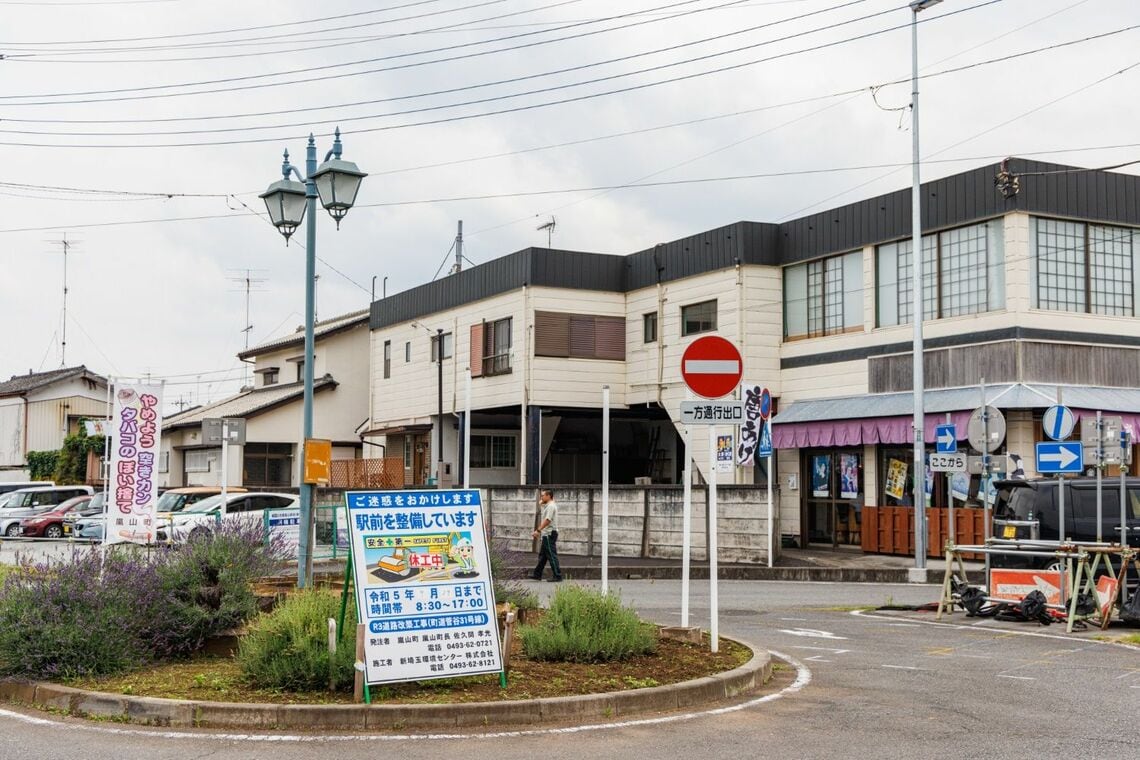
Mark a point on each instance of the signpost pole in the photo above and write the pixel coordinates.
(987, 530)
(1125, 443)
(713, 612)
(225, 470)
(1060, 489)
(467, 432)
(1099, 476)
(605, 488)
(950, 494)
(107, 477)
(686, 519)
(771, 510)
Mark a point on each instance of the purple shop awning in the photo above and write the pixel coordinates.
(800, 435)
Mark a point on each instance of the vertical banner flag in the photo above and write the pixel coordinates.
(136, 428)
(422, 575)
(750, 428)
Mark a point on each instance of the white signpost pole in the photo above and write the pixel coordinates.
(771, 509)
(605, 488)
(467, 432)
(1099, 477)
(686, 519)
(225, 470)
(713, 612)
(950, 493)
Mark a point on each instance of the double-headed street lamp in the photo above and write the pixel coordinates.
(916, 310)
(336, 183)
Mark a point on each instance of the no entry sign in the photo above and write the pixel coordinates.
(711, 367)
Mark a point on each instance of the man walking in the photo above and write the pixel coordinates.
(548, 531)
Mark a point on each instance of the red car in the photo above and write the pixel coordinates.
(49, 524)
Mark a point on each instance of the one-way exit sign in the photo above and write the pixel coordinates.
(1060, 457)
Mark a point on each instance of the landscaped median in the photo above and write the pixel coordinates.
(176, 713)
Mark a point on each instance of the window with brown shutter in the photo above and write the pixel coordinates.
(581, 336)
(475, 350)
(551, 334)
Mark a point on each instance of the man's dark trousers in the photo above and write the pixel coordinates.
(548, 551)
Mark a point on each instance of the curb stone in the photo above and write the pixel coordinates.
(176, 713)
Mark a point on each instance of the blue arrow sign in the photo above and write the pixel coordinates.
(1060, 457)
(1058, 422)
(946, 439)
(765, 448)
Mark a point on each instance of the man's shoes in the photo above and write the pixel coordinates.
(553, 580)
(536, 577)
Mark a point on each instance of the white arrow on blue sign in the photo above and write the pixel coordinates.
(765, 448)
(946, 439)
(1060, 457)
(1058, 422)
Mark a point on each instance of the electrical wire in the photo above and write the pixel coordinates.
(515, 109)
(326, 67)
(594, 188)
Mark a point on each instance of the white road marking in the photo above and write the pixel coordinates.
(1010, 631)
(824, 649)
(803, 678)
(813, 633)
(817, 658)
(1017, 678)
(903, 667)
(795, 620)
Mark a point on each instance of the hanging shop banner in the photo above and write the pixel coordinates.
(423, 578)
(136, 426)
(960, 486)
(752, 393)
(848, 476)
(724, 457)
(821, 475)
(896, 478)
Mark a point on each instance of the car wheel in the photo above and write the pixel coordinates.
(12, 531)
(53, 531)
(1056, 567)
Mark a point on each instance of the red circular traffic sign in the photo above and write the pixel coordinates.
(711, 367)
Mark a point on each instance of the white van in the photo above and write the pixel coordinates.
(6, 487)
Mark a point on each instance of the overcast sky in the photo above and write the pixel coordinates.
(152, 287)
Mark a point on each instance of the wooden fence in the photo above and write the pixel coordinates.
(890, 530)
(367, 473)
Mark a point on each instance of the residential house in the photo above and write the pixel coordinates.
(39, 409)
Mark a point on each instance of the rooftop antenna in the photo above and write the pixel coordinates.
(246, 280)
(549, 227)
(65, 245)
(459, 248)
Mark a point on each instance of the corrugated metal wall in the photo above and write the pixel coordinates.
(47, 420)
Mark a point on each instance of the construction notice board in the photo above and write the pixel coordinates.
(1013, 585)
(422, 575)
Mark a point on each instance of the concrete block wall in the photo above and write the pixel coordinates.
(643, 522)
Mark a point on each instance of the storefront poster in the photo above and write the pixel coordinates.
(423, 579)
(960, 486)
(848, 476)
(896, 478)
(821, 475)
(286, 524)
(136, 433)
(724, 457)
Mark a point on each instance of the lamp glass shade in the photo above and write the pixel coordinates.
(338, 182)
(285, 202)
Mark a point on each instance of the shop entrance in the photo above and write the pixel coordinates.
(833, 496)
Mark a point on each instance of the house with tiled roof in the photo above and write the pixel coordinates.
(39, 409)
(272, 407)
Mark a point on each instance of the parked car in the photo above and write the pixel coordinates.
(50, 523)
(90, 515)
(1029, 510)
(6, 487)
(177, 499)
(198, 518)
(15, 505)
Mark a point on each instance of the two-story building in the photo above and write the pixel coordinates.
(1036, 293)
(271, 456)
(38, 410)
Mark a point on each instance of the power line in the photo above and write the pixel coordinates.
(514, 109)
(383, 69)
(664, 183)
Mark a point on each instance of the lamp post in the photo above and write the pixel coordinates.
(916, 313)
(336, 183)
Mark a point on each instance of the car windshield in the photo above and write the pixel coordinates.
(172, 502)
(96, 503)
(208, 504)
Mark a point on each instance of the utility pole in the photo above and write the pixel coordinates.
(459, 248)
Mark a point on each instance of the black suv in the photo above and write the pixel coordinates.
(1028, 510)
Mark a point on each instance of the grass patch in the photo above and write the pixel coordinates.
(583, 625)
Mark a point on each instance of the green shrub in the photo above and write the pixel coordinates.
(583, 625)
(288, 648)
(41, 464)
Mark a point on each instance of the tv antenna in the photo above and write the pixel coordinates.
(65, 246)
(549, 227)
(247, 281)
